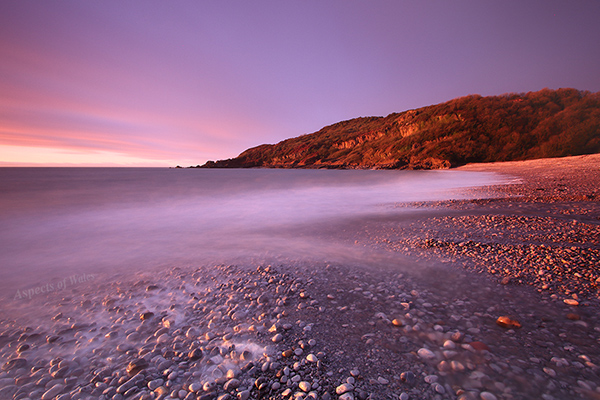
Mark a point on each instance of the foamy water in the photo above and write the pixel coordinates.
(64, 225)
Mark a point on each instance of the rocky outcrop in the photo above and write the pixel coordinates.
(548, 123)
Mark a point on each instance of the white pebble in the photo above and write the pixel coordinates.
(426, 353)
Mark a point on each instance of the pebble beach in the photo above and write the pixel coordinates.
(492, 297)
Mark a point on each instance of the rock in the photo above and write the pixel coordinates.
(231, 384)
(7, 392)
(277, 338)
(343, 388)
(426, 353)
(312, 358)
(439, 388)
(136, 366)
(53, 392)
(244, 395)
(397, 322)
(487, 396)
(156, 383)
(457, 366)
(15, 363)
(263, 299)
(146, 316)
(449, 344)
(195, 354)
(408, 377)
(287, 353)
(571, 302)
(22, 348)
(507, 322)
(305, 386)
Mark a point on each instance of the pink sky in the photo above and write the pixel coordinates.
(161, 83)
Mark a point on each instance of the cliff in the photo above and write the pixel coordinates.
(510, 127)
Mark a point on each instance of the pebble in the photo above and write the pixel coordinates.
(343, 388)
(156, 383)
(277, 338)
(305, 386)
(382, 381)
(408, 377)
(53, 392)
(203, 361)
(449, 344)
(231, 384)
(439, 388)
(426, 354)
(136, 366)
(487, 396)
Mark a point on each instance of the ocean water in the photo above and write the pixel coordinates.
(70, 224)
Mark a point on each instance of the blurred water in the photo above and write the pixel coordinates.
(56, 222)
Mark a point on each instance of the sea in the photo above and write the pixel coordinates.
(73, 224)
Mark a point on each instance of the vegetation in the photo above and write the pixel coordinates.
(471, 129)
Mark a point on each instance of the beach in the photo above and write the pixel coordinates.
(492, 296)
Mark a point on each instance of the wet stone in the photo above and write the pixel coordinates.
(487, 396)
(347, 396)
(343, 388)
(195, 354)
(305, 386)
(136, 366)
(426, 354)
(53, 392)
(15, 363)
(408, 377)
(231, 384)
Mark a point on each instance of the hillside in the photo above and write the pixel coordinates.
(471, 129)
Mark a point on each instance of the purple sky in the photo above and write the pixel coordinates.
(160, 83)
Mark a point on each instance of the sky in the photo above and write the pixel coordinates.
(165, 83)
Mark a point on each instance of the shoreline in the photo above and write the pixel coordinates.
(420, 321)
